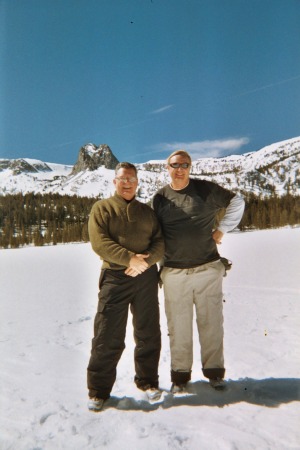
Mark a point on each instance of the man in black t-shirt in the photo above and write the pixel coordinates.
(192, 271)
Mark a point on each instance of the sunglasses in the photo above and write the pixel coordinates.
(177, 165)
(124, 180)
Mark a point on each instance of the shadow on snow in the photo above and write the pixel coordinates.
(270, 392)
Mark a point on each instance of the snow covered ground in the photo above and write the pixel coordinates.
(48, 302)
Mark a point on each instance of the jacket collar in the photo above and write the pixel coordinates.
(122, 201)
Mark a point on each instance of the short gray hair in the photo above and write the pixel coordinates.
(125, 165)
(181, 153)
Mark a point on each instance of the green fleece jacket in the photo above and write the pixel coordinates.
(118, 230)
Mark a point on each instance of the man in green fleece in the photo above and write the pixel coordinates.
(126, 235)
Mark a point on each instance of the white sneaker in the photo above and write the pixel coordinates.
(178, 388)
(153, 394)
(95, 404)
(217, 383)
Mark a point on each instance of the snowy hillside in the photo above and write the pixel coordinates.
(48, 302)
(274, 168)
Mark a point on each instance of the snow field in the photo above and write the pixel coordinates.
(47, 306)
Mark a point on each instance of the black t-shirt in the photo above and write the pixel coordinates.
(187, 218)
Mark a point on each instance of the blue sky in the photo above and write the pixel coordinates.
(146, 77)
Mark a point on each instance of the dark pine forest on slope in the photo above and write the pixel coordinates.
(50, 219)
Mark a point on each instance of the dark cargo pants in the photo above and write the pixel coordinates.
(118, 291)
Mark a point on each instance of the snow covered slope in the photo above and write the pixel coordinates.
(274, 168)
(48, 302)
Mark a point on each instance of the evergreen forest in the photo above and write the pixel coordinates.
(50, 219)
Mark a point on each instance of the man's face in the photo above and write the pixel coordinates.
(126, 183)
(180, 175)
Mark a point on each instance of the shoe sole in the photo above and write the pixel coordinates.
(218, 387)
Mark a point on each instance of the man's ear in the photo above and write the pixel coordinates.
(114, 181)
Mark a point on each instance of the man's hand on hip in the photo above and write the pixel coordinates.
(217, 236)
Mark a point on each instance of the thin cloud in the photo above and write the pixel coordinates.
(163, 109)
(147, 119)
(205, 149)
(267, 86)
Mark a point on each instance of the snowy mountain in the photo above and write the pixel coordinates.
(274, 168)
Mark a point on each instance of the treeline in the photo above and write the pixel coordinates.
(50, 219)
(42, 219)
(273, 212)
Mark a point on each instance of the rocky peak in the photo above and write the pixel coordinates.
(19, 166)
(91, 157)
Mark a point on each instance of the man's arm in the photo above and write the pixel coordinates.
(103, 244)
(155, 250)
(157, 247)
(233, 215)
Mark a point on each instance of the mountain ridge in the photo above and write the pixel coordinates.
(274, 169)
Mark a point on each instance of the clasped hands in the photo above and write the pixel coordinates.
(137, 265)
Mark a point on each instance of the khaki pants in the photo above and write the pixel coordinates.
(199, 287)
